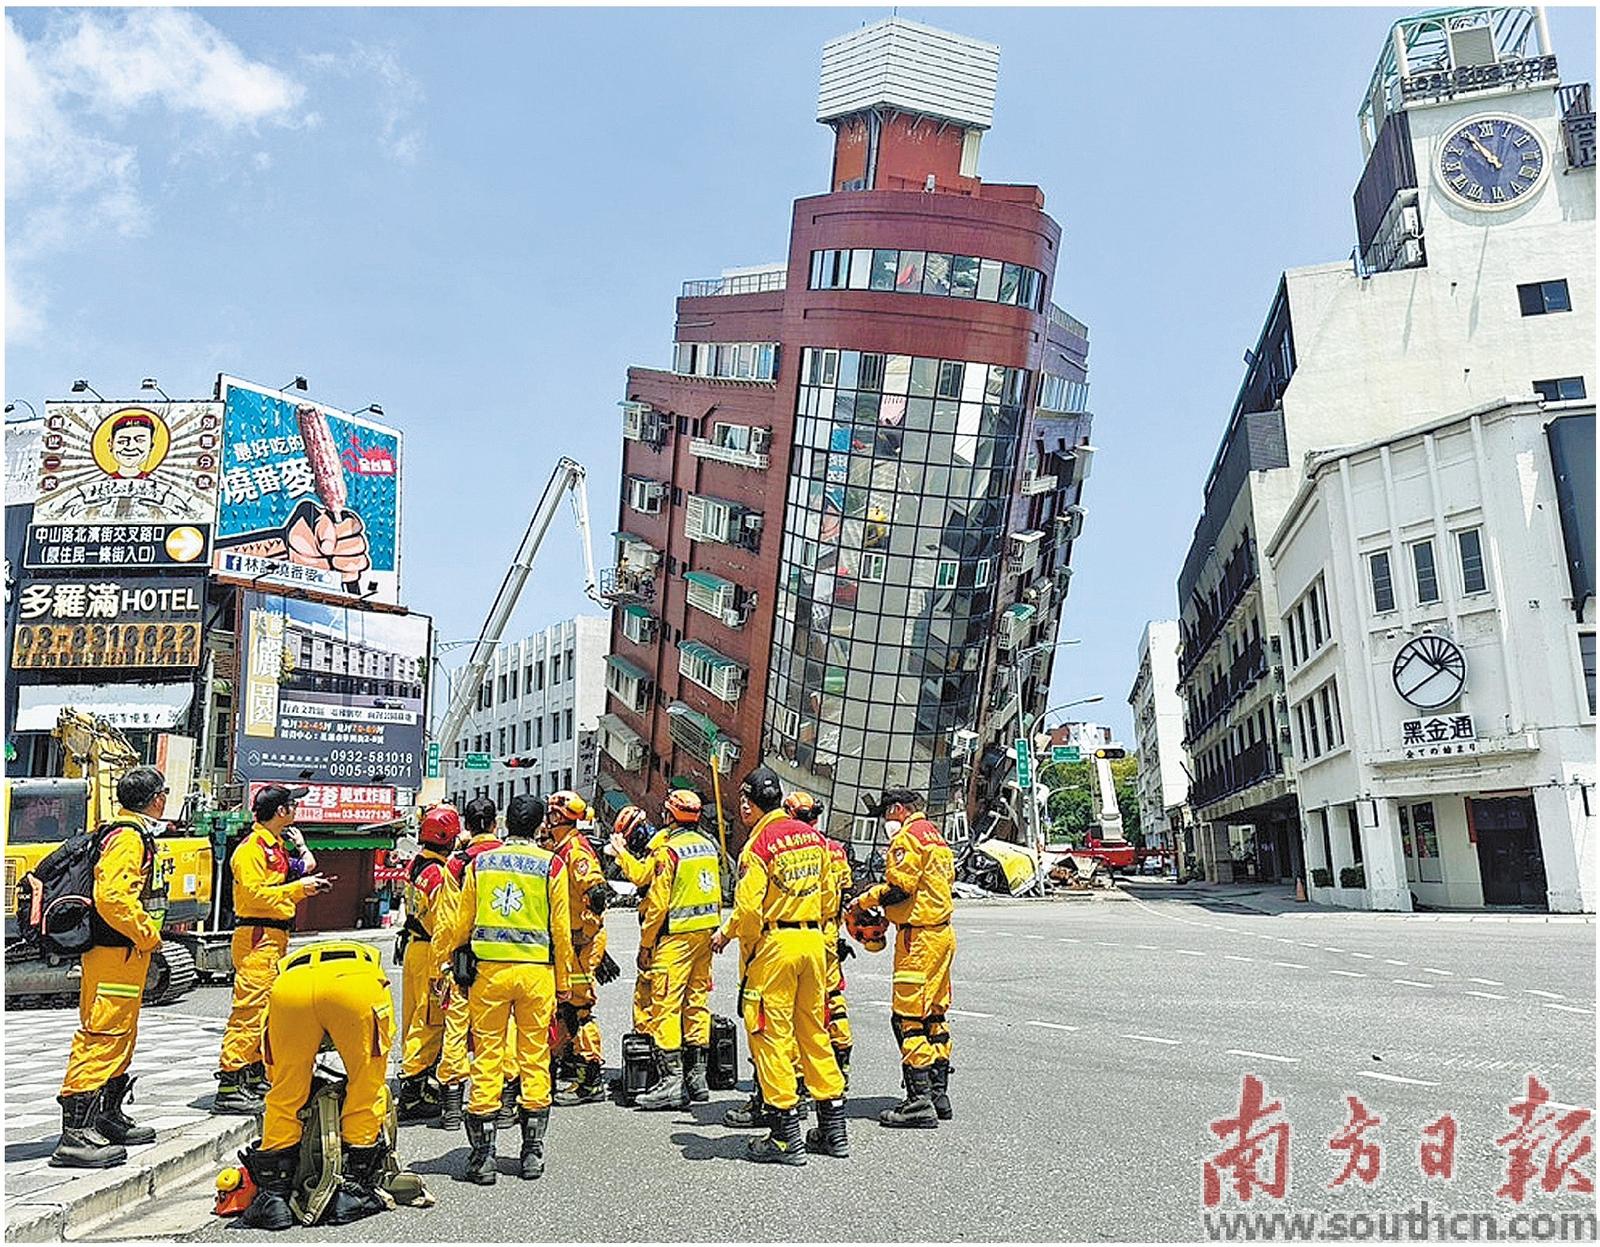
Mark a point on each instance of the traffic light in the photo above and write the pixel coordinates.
(513, 763)
(1111, 752)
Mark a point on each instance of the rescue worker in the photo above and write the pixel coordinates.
(785, 887)
(265, 893)
(634, 843)
(835, 947)
(677, 918)
(577, 1031)
(515, 914)
(421, 999)
(915, 895)
(336, 988)
(130, 897)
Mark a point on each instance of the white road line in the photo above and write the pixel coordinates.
(1571, 1009)
(1445, 974)
(1364, 956)
(1290, 965)
(1534, 991)
(1395, 961)
(1307, 944)
(1068, 939)
(976, 930)
(1153, 1039)
(1053, 1026)
(968, 1013)
(1263, 1056)
(1189, 952)
(1331, 949)
(1413, 983)
(1149, 948)
(1235, 957)
(1107, 944)
(1486, 995)
(1412, 1082)
(1349, 974)
(1033, 937)
(1487, 982)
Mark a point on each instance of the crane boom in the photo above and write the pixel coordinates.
(569, 476)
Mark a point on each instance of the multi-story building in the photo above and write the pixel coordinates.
(1472, 277)
(1158, 731)
(1439, 628)
(323, 659)
(849, 508)
(539, 705)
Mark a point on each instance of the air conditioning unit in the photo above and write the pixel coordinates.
(724, 754)
(963, 743)
(752, 521)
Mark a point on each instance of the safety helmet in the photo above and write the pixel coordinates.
(763, 789)
(440, 826)
(628, 820)
(682, 806)
(236, 1190)
(869, 929)
(565, 806)
(802, 806)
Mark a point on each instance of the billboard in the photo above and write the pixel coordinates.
(107, 621)
(351, 805)
(329, 694)
(310, 496)
(127, 484)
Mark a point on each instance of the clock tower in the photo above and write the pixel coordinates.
(1466, 127)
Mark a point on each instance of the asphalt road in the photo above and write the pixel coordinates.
(1094, 1041)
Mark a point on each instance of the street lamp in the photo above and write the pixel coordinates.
(374, 408)
(12, 406)
(299, 383)
(149, 383)
(1024, 739)
(80, 385)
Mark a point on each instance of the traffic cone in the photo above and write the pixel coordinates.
(1300, 888)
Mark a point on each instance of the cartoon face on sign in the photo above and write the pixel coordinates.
(131, 443)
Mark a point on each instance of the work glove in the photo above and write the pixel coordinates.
(597, 898)
(400, 942)
(607, 971)
(846, 950)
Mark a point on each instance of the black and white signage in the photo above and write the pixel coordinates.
(1439, 736)
(1429, 672)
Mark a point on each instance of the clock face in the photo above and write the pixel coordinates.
(1491, 161)
(1429, 672)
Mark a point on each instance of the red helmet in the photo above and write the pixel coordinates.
(440, 826)
(629, 820)
(803, 806)
(565, 806)
(868, 928)
(683, 805)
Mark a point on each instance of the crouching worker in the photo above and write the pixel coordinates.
(336, 989)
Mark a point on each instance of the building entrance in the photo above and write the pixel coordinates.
(1510, 859)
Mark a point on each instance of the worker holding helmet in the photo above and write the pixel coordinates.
(915, 895)
(633, 844)
(587, 894)
(422, 1004)
(677, 918)
(835, 948)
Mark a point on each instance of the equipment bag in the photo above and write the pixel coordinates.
(638, 1063)
(55, 900)
(722, 1066)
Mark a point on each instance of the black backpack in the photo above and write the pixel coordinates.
(55, 900)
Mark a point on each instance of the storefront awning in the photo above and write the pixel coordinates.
(132, 707)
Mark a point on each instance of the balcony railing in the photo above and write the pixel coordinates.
(1033, 483)
(1577, 125)
(1246, 669)
(744, 283)
(1238, 574)
(705, 448)
(1258, 762)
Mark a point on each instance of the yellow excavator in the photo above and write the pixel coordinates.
(40, 814)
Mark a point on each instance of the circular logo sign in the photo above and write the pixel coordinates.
(1429, 672)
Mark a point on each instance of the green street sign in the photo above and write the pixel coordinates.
(433, 760)
(1024, 764)
(1066, 753)
(479, 761)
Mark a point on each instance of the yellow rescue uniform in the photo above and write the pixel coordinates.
(833, 968)
(264, 902)
(455, 1049)
(115, 968)
(678, 916)
(916, 897)
(514, 910)
(582, 870)
(421, 1000)
(785, 887)
(336, 989)
(640, 871)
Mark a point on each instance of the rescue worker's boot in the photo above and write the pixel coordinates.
(450, 1105)
(234, 1097)
(273, 1173)
(509, 1108)
(112, 1122)
(589, 1087)
(803, 1104)
(414, 1103)
(480, 1139)
(753, 1112)
(670, 1092)
(694, 1073)
(916, 1110)
(357, 1195)
(534, 1123)
(82, 1146)
(841, 1054)
(256, 1080)
(784, 1144)
(939, 1086)
(829, 1136)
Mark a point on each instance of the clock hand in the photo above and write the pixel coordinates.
(1484, 151)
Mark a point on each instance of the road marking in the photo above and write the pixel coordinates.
(1395, 961)
(1571, 1009)
(1149, 948)
(1033, 937)
(1448, 974)
(1189, 952)
(1412, 1082)
(1414, 983)
(1235, 957)
(1349, 974)
(968, 1013)
(1330, 948)
(1263, 1056)
(1364, 956)
(1107, 944)
(1307, 944)
(977, 930)
(1290, 965)
(1486, 995)
(1068, 939)
(1534, 991)
(1053, 1026)
(1487, 982)
(1152, 1039)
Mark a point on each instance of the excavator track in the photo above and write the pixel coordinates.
(172, 974)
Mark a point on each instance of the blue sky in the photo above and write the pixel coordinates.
(480, 218)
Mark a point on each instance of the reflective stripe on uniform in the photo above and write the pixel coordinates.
(119, 989)
(512, 922)
(696, 900)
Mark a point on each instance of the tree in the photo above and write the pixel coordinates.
(1073, 813)
(1125, 777)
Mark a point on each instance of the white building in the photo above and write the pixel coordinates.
(540, 704)
(1158, 732)
(1439, 626)
(1472, 278)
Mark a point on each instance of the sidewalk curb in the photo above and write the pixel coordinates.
(102, 1194)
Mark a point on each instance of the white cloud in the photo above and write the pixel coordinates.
(398, 95)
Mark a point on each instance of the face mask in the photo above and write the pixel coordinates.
(892, 826)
